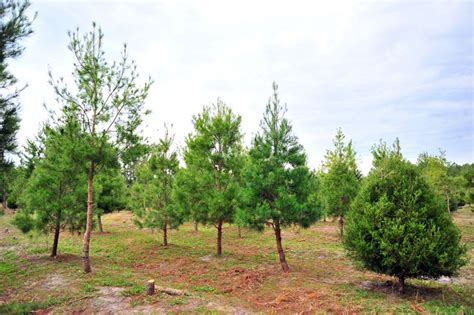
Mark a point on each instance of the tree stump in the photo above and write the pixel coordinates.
(150, 288)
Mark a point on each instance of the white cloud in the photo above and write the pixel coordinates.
(378, 70)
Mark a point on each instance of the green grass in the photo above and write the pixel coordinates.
(248, 275)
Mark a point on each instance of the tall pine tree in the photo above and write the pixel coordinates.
(278, 182)
(108, 102)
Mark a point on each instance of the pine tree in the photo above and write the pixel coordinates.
(151, 191)
(278, 182)
(111, 192)
(55, 193)
(15, 25)
(208, 188)
(107, 101)
(340, 181)
(434, 169)
(398, 226)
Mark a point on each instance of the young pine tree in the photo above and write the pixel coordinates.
(108, 102)
(151, 191)
(397, 225)
(434, 169)
(55, 193)
(278, 182)
(208, 188)
(340, 181)
(111, 192)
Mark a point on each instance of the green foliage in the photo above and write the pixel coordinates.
(23, 220)
(339, 179)
(109, 104)
(452, 189)
(398, 226)
(31, 153)
(278, 184)
(54, 195)
(111, 190)
(151, 191)
(208, 188)
(15, 25)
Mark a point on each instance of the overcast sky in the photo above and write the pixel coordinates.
(375, 69)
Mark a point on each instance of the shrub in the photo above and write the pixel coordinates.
(398, 227)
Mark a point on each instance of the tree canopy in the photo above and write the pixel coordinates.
(208, 187)
(398, 226)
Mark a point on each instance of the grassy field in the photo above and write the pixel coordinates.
(246, 279)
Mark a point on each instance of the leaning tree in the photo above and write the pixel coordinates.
(278, 183)
(109, 103)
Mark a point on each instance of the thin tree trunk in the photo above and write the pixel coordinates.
(447, 201)
(239, 232)
(99, 221)
(165, 234)
(401, 282)
(87, 234)
(341, 224)
(219, 238)
(281, 253)
(195, 226)
(57, 227)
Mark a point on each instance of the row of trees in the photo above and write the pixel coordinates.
(90, 155)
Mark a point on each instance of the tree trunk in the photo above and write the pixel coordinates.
(281, 254)
(195, 226)
(401, 282)
(57, 227)
(99, 221)
(165, 234)
(87, 234)
(219, 238)
(239, 232)
(341, 224)
(447, 201)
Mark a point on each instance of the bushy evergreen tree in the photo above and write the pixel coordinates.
(151, 191)
(397, 224)
(339, 179)
(55, 194)
(278, 183)
(208, 187)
